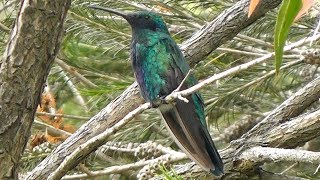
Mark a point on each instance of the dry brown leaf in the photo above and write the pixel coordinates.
(37, 139)
(55, 139)
(252, 6)
(306, 5)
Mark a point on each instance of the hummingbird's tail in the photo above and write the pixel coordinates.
(213, 153)
(191, 135)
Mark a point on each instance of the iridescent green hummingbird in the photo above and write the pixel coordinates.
(160, 68)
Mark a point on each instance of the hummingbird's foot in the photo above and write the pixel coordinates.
(155, 104)
(160, 100)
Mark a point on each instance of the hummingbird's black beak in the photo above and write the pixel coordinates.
(116, 12)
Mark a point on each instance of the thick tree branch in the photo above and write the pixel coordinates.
(130, 99)
(244, 157)
(290, 108)
(32, 46)
(279, 128)
(267, 154)
(288, 133)
(227, 25)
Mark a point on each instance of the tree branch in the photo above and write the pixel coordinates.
(267, 154)
(236, 69)
(227, 25)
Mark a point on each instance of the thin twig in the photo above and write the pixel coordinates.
(290, 167)
(235, 70)
(4, 28)
(127, 148)
(269, 74)
(184, 80)
(74, 90)
(317, 170)
(72, 71)
(62, 115)
(51, 129)
(214, 59)
(240, 52)
(316, 31)
(108, 77)
(126, 167)
(254, 40)
(103, 27)
(100, 139)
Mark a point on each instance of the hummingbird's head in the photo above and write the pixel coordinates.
(140, 20)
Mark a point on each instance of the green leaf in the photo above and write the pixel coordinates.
(287, 13)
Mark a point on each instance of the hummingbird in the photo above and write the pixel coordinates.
(160, 68)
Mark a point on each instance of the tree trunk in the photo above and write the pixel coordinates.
(33, 44)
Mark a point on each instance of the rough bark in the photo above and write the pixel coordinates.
(223, 28)
(201, 44)
(31, 49)
(290, 108)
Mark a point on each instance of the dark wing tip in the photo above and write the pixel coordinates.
(213, 153)
(218, 171)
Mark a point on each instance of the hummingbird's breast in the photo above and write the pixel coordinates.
(150, 61)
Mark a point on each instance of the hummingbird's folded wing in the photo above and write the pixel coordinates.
(186, 120)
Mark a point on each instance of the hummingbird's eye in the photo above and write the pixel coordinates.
(147, 17)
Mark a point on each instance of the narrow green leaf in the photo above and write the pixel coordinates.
(287, 13)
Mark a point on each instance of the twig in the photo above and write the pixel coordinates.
(108, 77)
(107, 147)
(316, 31)
(180, 85)
(269, 74)
(240, 52)
(214, 59)
(100, 139)
(73, 72)
(235, 70)
(103, 27)
(74, 90)
(184, 80)
(84, 169)
(133, 148)
(256, 41)
(126, 167)
(51, 129)
(290, 167)
(62, 115)
(317, 170)
(4, 28)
